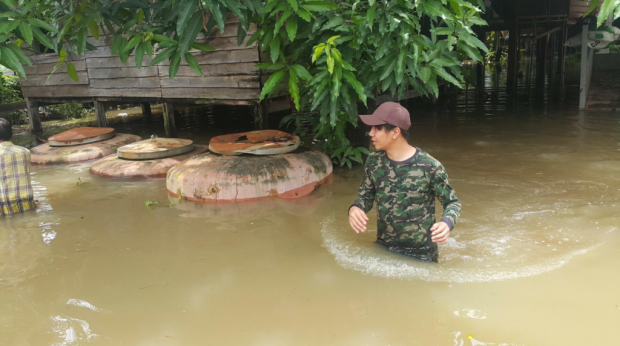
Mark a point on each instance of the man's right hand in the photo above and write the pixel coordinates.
(357, 219)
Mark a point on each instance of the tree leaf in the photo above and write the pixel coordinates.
(42, 38)
(357, 86)
(274, 47)
(472, 41)
(448, 77)
(9, 26)
(186, 9)
(26, 31)
(72, 72)
(271, 66)
(11, 61)
(293, 4)
(293, 87)
(163, 56)
(593, 6)
(301, 72)
(432, 83)
(81, 41)
(291, 27)
(305, 15)
(434, 9)
(41, 24)
(9, 3)
(19, 54)
(132, 43)
(202, 47)
(473, 53)
(148, 48)
(140, 16)
(94, 29)
(319, 6)
(140, 54)
(271, 83)
(175, 62)
(607, 8)
(424, 73)
(281, 20)
(317, 52)
(333, 22)
(163, 38)
(193, 63)
(194, 25)
(241, 34)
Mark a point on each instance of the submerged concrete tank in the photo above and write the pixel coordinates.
(79, 144)
(151, 158)
(211, 177)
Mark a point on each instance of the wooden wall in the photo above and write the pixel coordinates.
(229, 73)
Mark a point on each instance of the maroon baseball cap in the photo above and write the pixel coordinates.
(388, 113)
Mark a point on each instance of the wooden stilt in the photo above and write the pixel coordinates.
(34, 118)
(146, 110)
(480, 70)
(102, 121)
(541, 59)
(169, 120)
(562, 50)
(513, 49)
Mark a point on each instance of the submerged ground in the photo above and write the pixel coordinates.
(533, 261)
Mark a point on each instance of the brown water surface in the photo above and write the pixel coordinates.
(533, 261)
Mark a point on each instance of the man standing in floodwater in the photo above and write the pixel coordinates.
(15, 189)
(403, 181)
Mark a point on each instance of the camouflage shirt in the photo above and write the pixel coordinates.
(405, 194)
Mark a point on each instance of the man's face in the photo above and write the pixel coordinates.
(381, 139)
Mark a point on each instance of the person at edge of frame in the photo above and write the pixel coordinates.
(403, 181)
(16, 194)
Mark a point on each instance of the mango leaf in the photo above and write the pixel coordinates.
(62, 56)
(42, 38)
(41, 24)
(163, 56)
(333, 22)
(424, 74)
(317, 52)
(132, 43)
(281, 20)
(193, 63)
(305, 15)
(148, 48)
(448, 77)
(319, 6)
(140, 16)
(26, 31)
(435, 9)
(140, 54)
(8, 14)
(9, 3)
(241, 34)
(186, 9)
(11, 61)
(72, 72)
(291, 27)
(202, 47)
(301, 72)
(432, 83)
(473, 53)
(357, 86)
(9, 26)
(19, 54)
(194, 25)
(606, 9)
(258, 34)
(472, 41)
(293, 4)
(163, 38)
(94, 29)
(293, 87)
(330, 64)
(275, 48)
(81, 41)
(175, 62)
(271, 83)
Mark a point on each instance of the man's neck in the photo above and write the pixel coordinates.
(401, 151)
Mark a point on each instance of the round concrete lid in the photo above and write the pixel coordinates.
(81, 135)
(155, 148)
(262, 142)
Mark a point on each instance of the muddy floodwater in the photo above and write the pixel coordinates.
(534, 259)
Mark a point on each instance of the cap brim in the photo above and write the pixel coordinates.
(370, 120)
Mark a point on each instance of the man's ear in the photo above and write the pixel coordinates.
(396, 132)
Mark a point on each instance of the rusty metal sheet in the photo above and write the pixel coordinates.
(263, 142)
(155, 148)
(81, 135)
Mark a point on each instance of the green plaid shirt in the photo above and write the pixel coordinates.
(15, 189)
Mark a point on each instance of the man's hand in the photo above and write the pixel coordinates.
(440, 232)
(357, 219)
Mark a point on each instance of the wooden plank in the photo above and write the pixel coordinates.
(211, 93)
(117, 83)
(225, 43)
(112, 62)
(10, 107)
(100, 52)
(244, 68)
(169, 120)
(229, 31)
(103, 41)
(221, 57)
(126, 93)
(53, 80)
(123, 72)
(34, 119)
(46, 69)
(57, 91)
(102, 121)
(212, 82)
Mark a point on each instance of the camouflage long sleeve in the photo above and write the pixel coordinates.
(446, 195)
(366, 192)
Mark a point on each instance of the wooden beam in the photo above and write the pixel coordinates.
(513, 49)
(102, 121)
(585, 52)
(169, 120)
(10, 107)
(34, 119)
(146, 109)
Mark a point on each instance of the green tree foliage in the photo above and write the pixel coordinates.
(608, 8)
(329, 56)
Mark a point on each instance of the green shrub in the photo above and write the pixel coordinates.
(10, 91)
(67, 111)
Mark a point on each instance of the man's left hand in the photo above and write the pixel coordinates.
(440, 233)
